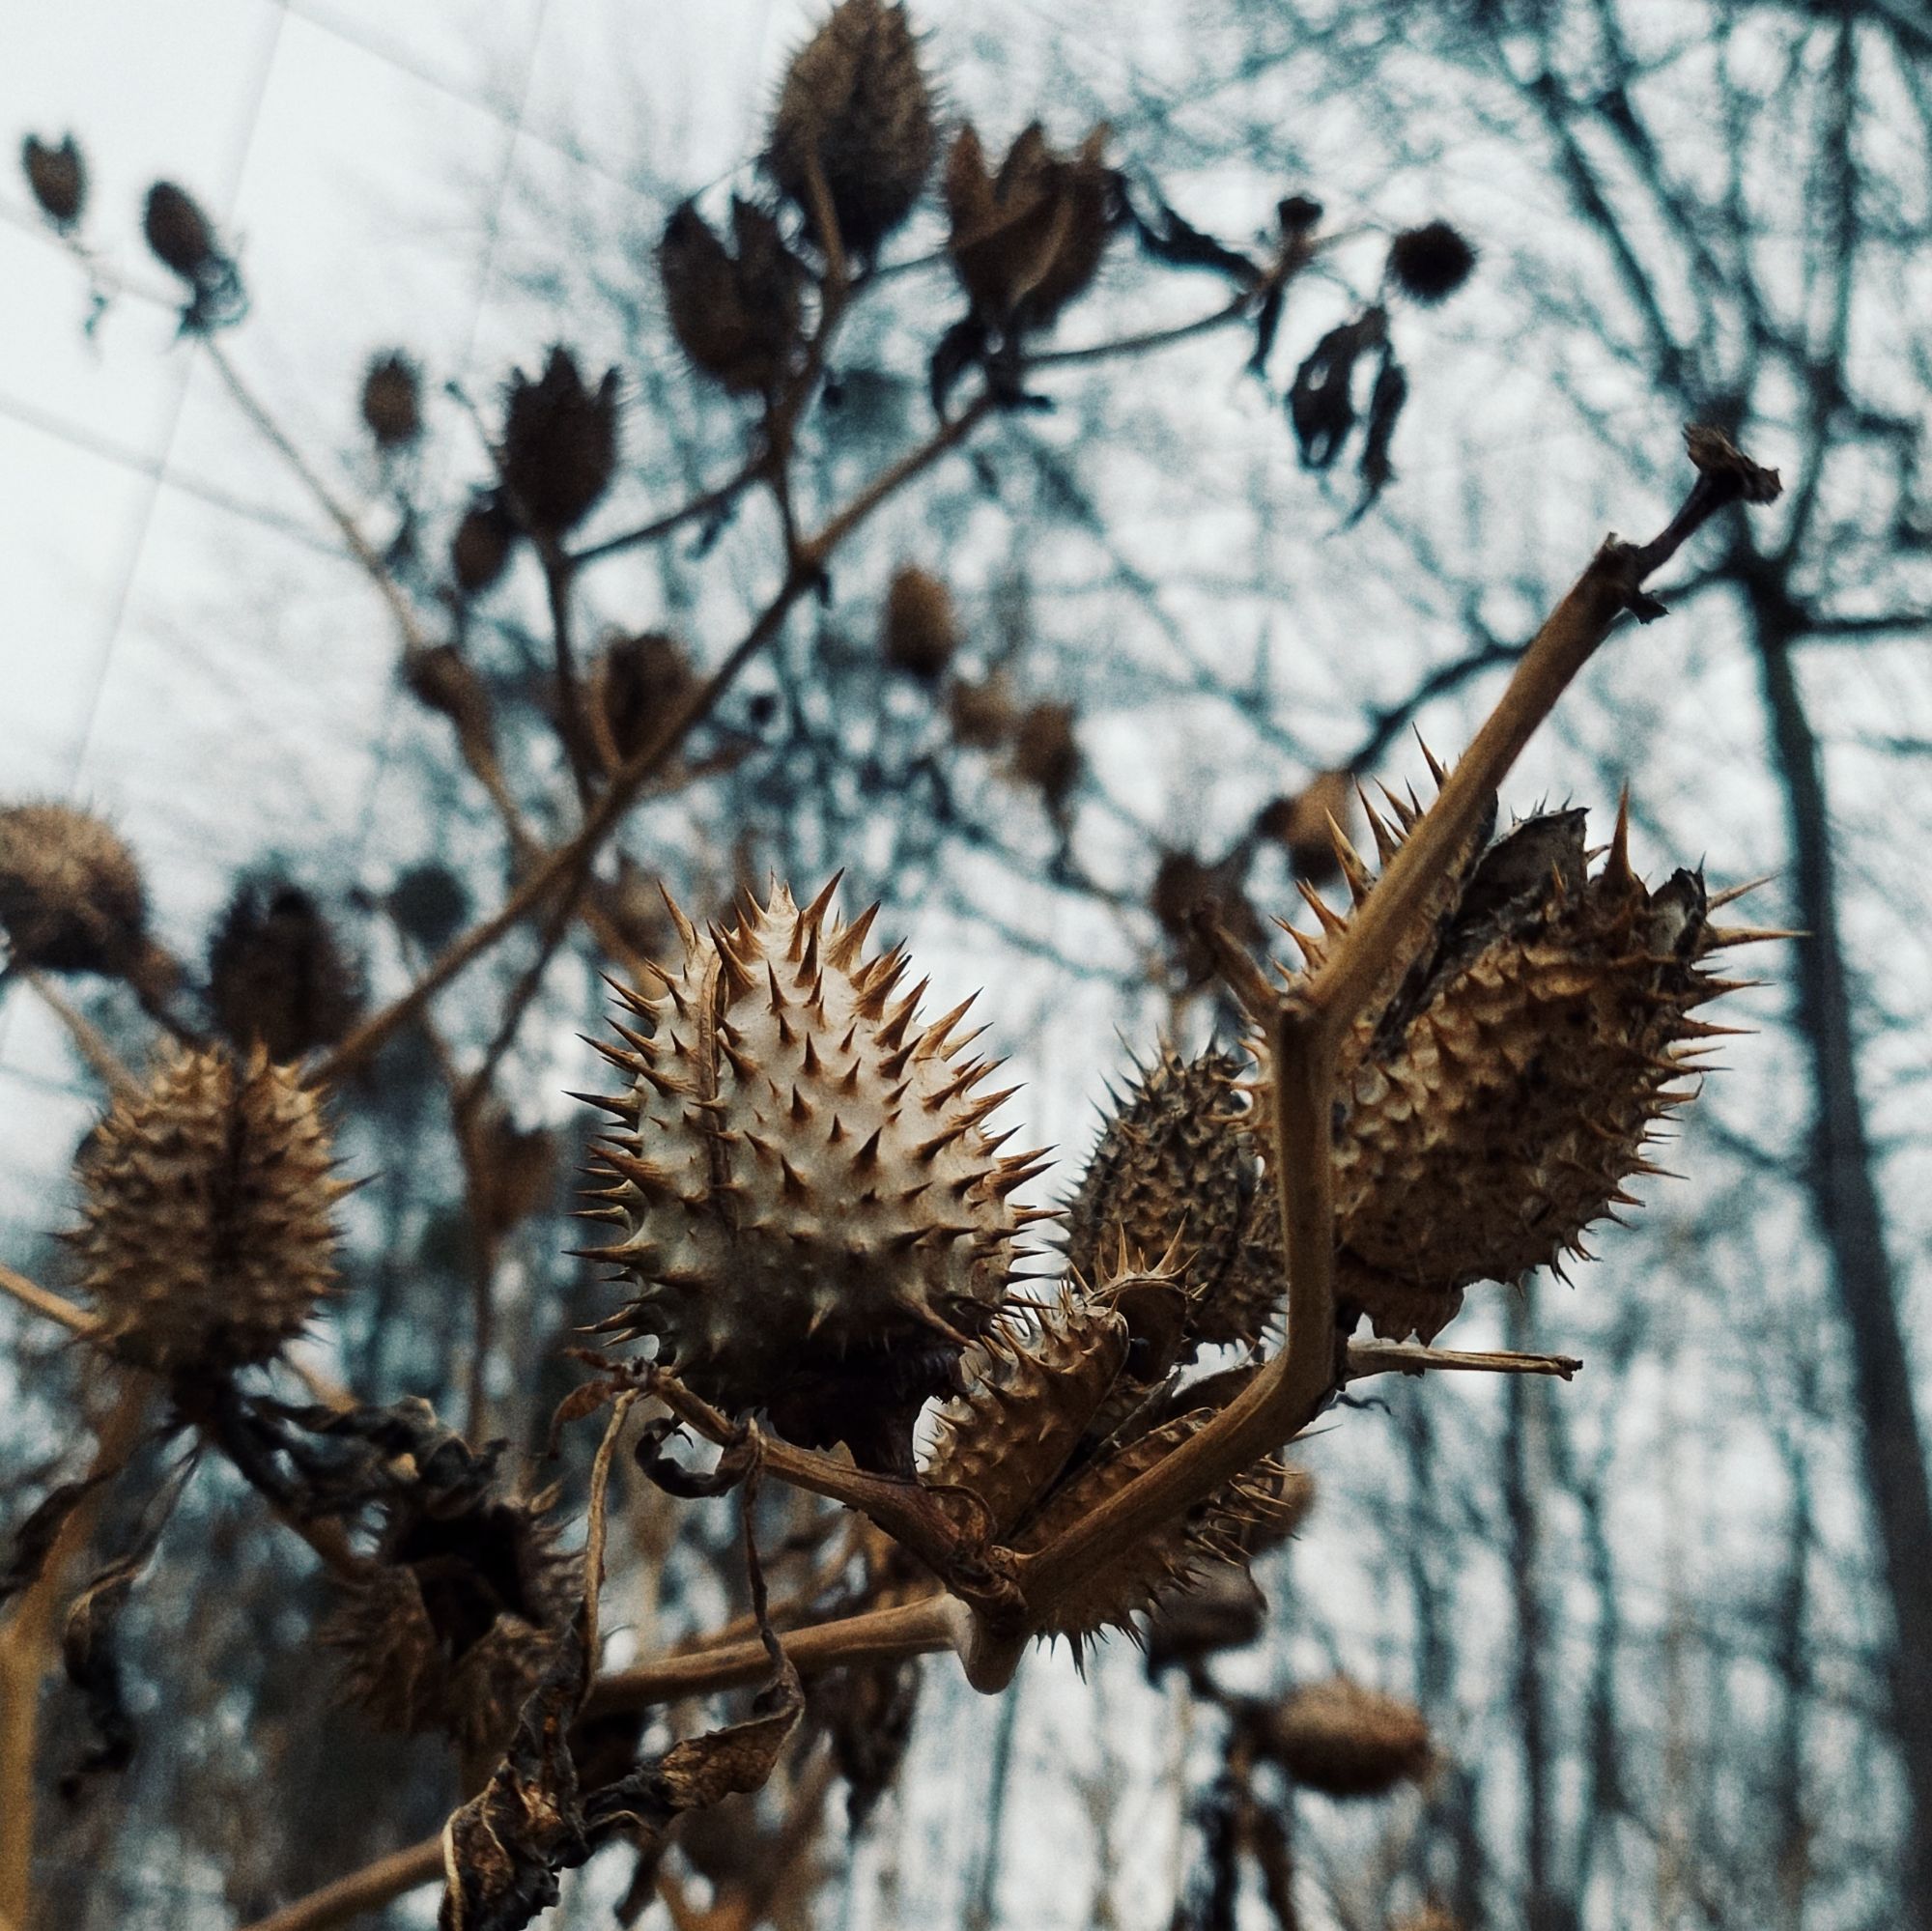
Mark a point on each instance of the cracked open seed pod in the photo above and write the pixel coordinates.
(735, 311)
(71, 893)
(452, 1628)
(854, 99)
(1068, 1403)
(817, 1219)
(206, 1238)
(1344, 1740)
(560, 443)
(278, 975)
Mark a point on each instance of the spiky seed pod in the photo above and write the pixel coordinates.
(560, 443)
(736, 315)
(453, 1627)
(1185, 887)
(1299, 824)
(57, 176)
(1431, 263)
(1297, 215)
(480, 549)
(815, 1219)
(205, 1239)
(277, 977)
(983, 716)
(179, 233)
(637, 683)
(1345, 1741)
(1176, 1165)
(1046, 753)
(1224, 1611)
(1085, 189)
(71, 893)
(855, 96)
(919, 632)
(1502, 1088)
(393, 400)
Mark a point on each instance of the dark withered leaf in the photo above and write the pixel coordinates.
(1320, 401)
(34, 1538)
(1385, 405)
(91, 1657)
(1170, 238)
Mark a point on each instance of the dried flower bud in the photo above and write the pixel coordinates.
(1184, 886)
(821, 1238)
(1299, 824)
(1046, 754)
(441, 678)
(430, 903)
(1298, 214)
(71, 893)
(984, 716)
(205, 1240)
(479, 552)
(735, 315)
(277, 975)
(920, 633)
(560, 443)
(178, 232)
(58, 178)
(855, 97)
(393, 400)
(1430, 263)
(637, 683)
(1345, 1741)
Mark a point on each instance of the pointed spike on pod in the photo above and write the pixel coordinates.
(740, 976)
(1387, 843)
(801, 1108)
(893, 1031)
(1332, 922)
(811, 1065)
(1718, 937)
(686, 930)
(1354, 871)
(624, 1107)
(1406, 811)
(795, 1185)
(846, 951)
(644, 1175)
(1731, 893)
(625, 1061)
(1436, 772)
(813, 914)
(932, 1041)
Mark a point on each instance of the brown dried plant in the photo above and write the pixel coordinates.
(813, 1225)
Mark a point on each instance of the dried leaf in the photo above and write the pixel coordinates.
(1171, 239)
(1386, 404)
(1320, 403)
(34, 1538)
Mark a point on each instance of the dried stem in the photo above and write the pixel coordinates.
(43, 1301)
(87, 1036)
(1393, 1357)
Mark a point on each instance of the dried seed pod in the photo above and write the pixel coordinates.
(57, 176)
(430, 903)
(276, 976)
(1299, 824)
(1046, 753)
(513, 1169)
(1177, 1165)
(179, 233)
(71, 893)
(736, 315)
(441, 680)
(868, 1717)
(919, 632)
(479, 552)
(815, 1219)
(984, 716)
(1344, 1740)
(205, 1240)
(393, 400)
(1224, 1611)
(637, 684)
(1430, 263)
(1185, 886)
(453, 1627)
(1025, 242)
(1502, 1088)
(855, 97)
(560, 443)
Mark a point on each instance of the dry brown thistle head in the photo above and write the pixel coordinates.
(452, 1628)
(855, 97)
(393, 400)
(983, 716)
(736, 315)
(1185, 887)
(560, 443)
(277, 977)
(71, 893)
(815, 1217)
(57, 175)
(179, 233)
(1028, 238)
(479, 551)
(1068, 1403)
(637, 684)
(918, 632)
(1344, 1740)
(440, 679)
(1299, 824)
(206, 1198)
(1046, 753)
(1431, 263)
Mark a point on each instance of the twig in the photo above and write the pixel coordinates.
(107, 1063)
(1393, 1357)
(43, 1301)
